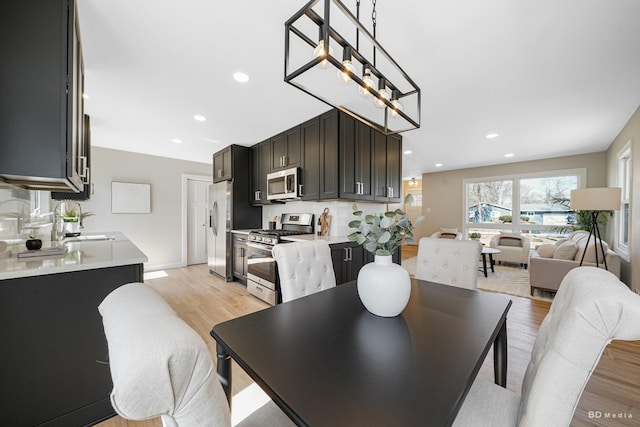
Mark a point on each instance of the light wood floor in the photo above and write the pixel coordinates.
(203, 301)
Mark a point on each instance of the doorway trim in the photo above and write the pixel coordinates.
(185, 178)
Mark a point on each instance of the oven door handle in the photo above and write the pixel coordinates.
(259, 246)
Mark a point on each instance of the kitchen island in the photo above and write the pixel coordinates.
(54, 354)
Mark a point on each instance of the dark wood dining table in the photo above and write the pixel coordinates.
(326, 361)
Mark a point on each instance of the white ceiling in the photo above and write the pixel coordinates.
(553, 78)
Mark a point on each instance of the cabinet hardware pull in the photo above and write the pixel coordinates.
(256, 195)
(346, 254)
(83, 167)
(300, 190)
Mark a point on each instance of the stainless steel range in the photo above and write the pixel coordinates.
(262, 273)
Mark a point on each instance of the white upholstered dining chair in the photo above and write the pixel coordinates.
(592, 308)
(160, 367)
(304, 268)
(448, 261)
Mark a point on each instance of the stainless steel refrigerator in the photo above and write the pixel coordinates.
(230, 208)
(219, 230)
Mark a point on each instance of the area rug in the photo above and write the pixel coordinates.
(512, 280)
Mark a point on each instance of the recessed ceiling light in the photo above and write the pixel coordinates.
(176, 140)
(408, 152)
(213, 141)
(438, 165)
(509, 155)
(199, 118)
(491, 135)
(241, 77)
(85, 96)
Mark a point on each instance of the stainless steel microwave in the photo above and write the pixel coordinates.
(283, 184)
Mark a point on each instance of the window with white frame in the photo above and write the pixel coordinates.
(535, 203)
(624, 214)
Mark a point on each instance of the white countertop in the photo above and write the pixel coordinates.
(105, 250)
(310, 237)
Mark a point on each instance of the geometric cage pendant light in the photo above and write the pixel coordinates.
(330, 55)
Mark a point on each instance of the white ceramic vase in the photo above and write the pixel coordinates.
(384, 287)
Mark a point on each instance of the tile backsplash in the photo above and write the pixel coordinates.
(23, 212)
(341, 213)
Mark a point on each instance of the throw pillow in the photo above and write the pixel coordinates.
(567, 250)
(449, 230)
(444, 235)
(546, 250)
(561, 241)
(590, 255)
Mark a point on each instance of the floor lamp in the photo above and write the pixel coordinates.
(596, 200)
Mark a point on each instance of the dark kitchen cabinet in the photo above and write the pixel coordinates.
(310, 171)
(260, 160)
(319, 168)
(387, 159)
(396, 257)
(55, 363)
(240, 257)
(41, 106)
(85, 168)
(222, 165)
(356, 156)
(348, 258)
(285, 149)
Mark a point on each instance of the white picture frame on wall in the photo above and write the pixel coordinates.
(128, 197)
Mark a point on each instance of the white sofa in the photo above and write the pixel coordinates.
(514, 247)
(550, 263)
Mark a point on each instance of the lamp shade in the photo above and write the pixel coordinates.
(596, 199)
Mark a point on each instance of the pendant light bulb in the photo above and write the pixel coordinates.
(366, 80)
(321, 52)
(396, 105)
(382, 94)
(347, 66)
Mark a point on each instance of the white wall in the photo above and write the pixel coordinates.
(159, 233)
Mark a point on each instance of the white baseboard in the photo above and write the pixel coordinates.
(156, 267)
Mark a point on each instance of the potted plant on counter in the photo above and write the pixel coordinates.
(384, 287)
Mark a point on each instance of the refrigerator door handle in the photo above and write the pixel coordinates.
(215, 218)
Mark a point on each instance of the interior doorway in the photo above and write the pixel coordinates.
(196, 214)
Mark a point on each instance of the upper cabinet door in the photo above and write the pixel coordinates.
(285, 150)
(356, 167)
(222, 169)
(387, 167)
(41, 107)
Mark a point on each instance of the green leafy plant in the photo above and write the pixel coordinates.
(582, 221)
(71, 214)
(382, 234)
(475, 235)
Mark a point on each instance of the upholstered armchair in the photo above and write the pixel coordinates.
(513, 247)
(447, 233)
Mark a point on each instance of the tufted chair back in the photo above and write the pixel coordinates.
(304, 268)
(159, 365)
(448, 261)
(591, 308)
